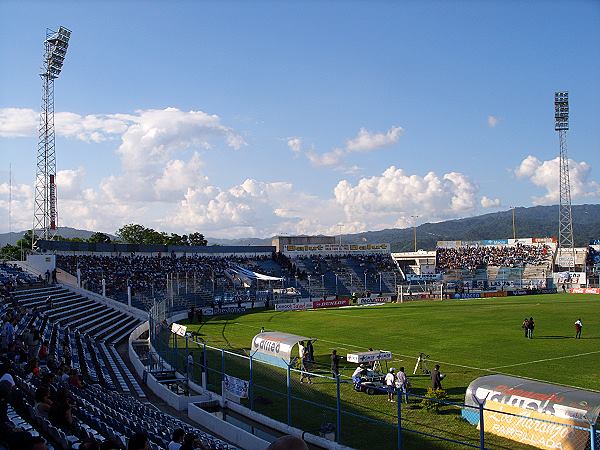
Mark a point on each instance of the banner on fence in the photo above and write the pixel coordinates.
(533, 428)
(299, 306)
(531, 291)
(223, 311)
(570, 277)
(367, 300)
(584, 290)
(468, 295)
(178, 329)
(331, 303)
(236, 386)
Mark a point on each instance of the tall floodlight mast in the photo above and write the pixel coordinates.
(45, 213)
(566, 250)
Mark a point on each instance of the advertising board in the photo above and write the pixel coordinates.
(300, 306)
(223, 311)
(584, 290)
(367, 300)
(331, 303)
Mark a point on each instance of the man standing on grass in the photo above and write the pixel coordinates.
(402, 383)
(578, 327)
(390, 383)
(436, 378)
(335, 364)
(525, 327)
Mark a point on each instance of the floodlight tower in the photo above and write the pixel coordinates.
(44, 213)
(565, 219)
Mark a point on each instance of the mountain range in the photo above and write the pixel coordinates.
(536, 221)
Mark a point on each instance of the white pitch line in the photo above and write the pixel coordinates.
(544, 360)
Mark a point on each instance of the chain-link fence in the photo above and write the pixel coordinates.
(368, 415)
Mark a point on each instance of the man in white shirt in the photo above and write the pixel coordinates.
(390, 382)
(356, 375)
(578, 327)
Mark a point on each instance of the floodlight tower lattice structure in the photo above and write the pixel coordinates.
(45, 213)
(566, 247)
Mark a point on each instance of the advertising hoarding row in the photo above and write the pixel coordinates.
(335, 249)
(314, 304)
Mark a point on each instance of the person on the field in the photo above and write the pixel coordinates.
(530, 328)
(578, 327)
(357, 374)
(335, 364)
(311, 351)
(525, 327)
(402, 383)
(390, 383)
(436, 378)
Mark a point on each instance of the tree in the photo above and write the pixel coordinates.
(197, 239)
(99, 238)
(10, 252)
(131, 234)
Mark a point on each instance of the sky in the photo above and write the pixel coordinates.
(250, 119)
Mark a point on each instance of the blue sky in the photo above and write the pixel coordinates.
(255, 118)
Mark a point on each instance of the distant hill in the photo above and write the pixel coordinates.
(536, 221)
(67, 232)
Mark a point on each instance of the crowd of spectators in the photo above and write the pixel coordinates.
(36, 387)
(147, 273)
(478, 257)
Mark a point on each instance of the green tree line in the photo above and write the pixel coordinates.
(128, 234)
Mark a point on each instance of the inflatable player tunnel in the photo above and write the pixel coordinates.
(542, 415)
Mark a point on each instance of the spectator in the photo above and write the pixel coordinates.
(60, 413)
(176, 439)
(139, 441)
(42, 401)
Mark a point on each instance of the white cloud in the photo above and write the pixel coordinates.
(382, 199)
(295, 144)
(487, 202)
(18, 122)
(545, 174)
(365, 141)
(69, 183)
(492, 121)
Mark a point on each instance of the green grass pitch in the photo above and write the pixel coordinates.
(468, 338)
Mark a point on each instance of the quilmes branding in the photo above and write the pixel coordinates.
(267, 345)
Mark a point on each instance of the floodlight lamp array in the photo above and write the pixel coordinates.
(561, 111)
(57, 44)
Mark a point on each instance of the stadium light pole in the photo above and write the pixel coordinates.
(309, 292)
(44, 203)
(365, 280)
(414, 218)
(323, 283)
(565, 219)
